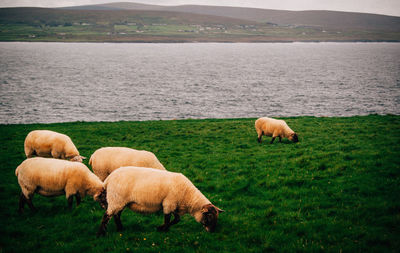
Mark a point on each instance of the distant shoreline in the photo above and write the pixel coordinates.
(301, 117)
(207, 24)
(207, 41)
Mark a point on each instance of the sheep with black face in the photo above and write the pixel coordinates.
(54, 177)
(275, 128)
(46, 143)
(147, 190)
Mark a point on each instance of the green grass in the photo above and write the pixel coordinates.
(336, 190)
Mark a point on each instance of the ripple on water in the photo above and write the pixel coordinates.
(45, 82)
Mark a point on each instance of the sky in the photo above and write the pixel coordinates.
(386, 7)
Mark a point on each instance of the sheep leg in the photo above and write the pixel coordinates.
(164, 227)
(272, 141)
(167, 223)
(29, 201)
(70, 199)
(117, 220)
(259, 139)
(103, 226)
(280, 139)
(29, 152)
(22, 201)
(78, 199)
(177, 218)
(55, 154)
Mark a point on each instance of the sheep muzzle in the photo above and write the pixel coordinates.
(210, 217)
(77, 158)
(294, 138)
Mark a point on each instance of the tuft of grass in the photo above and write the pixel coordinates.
(335, 190)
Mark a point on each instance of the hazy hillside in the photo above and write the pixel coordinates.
(126, 22)
(105, 16)
(325, 19)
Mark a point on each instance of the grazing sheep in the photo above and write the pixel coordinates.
(54, 177)
(46, 143)
(106, 160)
(275, 128)
(146, 190)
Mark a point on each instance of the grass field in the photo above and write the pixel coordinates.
(336, 190)
(181, 33)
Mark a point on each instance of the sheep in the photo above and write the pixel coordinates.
(275, 128)
(54, 177)
(148, 190)
(46, 143)
(106, 160)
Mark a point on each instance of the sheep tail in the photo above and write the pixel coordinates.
(16, 171)
(90, 161)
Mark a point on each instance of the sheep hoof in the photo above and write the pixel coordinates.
(101, 233)
(162, 228)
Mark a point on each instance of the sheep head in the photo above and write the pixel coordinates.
(209, 217)
(293, 137)
(101, 197)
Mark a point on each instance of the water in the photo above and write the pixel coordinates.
(59, 82)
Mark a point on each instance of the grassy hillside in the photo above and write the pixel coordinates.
(335, 190)
(111, 25)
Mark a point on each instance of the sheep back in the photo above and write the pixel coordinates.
(52, 177)
(106, 160)
(46, 143)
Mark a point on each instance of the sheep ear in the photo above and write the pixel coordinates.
(219, 210)
(206, 207)
(83, 158)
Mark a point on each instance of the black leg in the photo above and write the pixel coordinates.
(103, 226)
(259, 139)
(29, 202)
(177, 218)
(117, 219)
(22, 201)
(70, 199)
(165, 226)
(78, 199)
(272, 141)
(280, 139)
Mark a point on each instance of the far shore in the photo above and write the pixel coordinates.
(172, 41)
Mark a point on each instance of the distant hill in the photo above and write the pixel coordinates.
(324, 19)
(129, 22)
(108, 15)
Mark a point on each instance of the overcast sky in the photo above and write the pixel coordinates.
(387, 7)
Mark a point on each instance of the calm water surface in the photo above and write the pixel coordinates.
(59, 82)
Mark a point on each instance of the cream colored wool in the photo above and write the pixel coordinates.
(46, 143)
(106, 160)
(146, 190)
(54, 177)
(275, 128)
